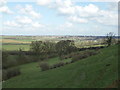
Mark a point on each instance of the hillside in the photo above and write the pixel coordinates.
(98, 71)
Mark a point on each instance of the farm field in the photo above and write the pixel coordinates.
(91, 72)
(15, 42)
(15, 47)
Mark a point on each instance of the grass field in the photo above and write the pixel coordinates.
(16, 47)
(91, 72)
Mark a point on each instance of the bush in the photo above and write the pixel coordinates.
(11, 62)
(90, 53)
(77, 57)
(82, 55)
(22, 59)
(11, 72)
(4, 74)
(4, 60)
(58, 64)
(51, 67)
(63, 57)
(52, 55)
(67, 62)
(44, 66)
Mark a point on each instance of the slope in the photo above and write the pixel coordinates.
(97, 71)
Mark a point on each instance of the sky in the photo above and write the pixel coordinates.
(58, 17)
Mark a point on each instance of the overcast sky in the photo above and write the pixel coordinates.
(61, 17)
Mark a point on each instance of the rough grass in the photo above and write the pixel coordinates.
(91, 72)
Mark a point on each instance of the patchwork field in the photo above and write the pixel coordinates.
(16, 42)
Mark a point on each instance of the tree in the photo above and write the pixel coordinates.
(109, 38)
(37, 47)
(65, 47)
(49, 47)
(42, 47)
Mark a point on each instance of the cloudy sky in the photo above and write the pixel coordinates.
(58, 17)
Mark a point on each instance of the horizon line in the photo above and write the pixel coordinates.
(60, 35)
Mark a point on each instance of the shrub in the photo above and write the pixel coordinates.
(42, 58)
(90, 53)
(11, 63)
(11, 72)
(51, 67)
(65, 56)
(78, 57)
(4, 59)
(82, 55)
(52, 55)
(67, 63)
(4, 74)
(58, 64)
(22, 58)
(44, 66)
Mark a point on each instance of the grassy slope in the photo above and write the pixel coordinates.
(86, 73)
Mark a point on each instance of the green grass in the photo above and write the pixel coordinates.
(91, 72)
(16, 47)
(26, 68)
(24, 40)
(57, 60)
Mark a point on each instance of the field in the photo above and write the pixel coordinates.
(91, 72)
(16, 42)
(16, 47)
